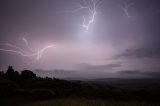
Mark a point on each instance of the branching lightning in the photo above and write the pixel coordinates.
(30, 53)
(27, 44)
(125, 8)
(91, 6)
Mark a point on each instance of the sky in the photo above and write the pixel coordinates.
(81, 38)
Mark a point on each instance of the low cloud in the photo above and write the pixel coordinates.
(155, 74)
(90, 67)
(130, 72)
(55, 73)
(140, 53)
(151, 74)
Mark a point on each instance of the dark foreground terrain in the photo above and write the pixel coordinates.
(26, 89)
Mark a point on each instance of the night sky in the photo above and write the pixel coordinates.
(122, 41)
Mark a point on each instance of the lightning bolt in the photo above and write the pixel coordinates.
(91, 6)
(27, 44)
(41, 52)
(30, 53)
(125, 8)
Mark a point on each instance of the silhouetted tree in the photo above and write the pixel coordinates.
(10, 71)
(26, 74)
(1, 75)
(11, 74)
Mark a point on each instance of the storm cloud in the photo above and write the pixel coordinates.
(117, 40)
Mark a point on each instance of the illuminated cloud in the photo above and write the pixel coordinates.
(64, 33)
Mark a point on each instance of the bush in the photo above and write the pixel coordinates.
(42, 93)
(26, 74)
(42, 84)
(24, 93)
(8, 88)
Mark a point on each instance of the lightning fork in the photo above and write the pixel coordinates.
(30, 53)
(91, 6)
(125, 8)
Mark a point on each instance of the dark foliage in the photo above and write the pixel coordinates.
(26, 74)
(8, 88)
(11, 74)
(42, 93)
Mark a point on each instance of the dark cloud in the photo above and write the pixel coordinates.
(155, 74)
(130, 72)
(90, 67)
(140, 53)
(147, 74)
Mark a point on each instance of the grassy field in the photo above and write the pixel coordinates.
(85, 102)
